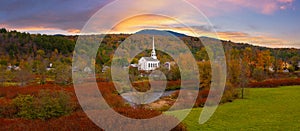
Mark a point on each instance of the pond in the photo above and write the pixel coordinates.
(134, 98)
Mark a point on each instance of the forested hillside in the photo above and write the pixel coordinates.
(16, 47)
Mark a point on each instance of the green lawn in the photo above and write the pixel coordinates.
(263, 109)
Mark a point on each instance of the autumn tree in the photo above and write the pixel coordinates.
(294, 62)
(201, 55)
(234, 66)
(133, 74)
(248, 58)
(277, 62)
(258, 74)
(264, 59)
(62, 73)
(205, 74)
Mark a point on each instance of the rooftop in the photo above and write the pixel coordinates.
(150, 59)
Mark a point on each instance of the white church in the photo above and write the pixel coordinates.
(149, 63)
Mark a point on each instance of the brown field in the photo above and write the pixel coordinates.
(77, 120)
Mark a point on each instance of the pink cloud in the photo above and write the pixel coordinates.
(286, 1)
(217, 7)
(260, 40)
(269, 8)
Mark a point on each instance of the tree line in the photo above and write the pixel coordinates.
(34, 52)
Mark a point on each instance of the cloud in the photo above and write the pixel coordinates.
(51, 14)
(137, 23)
(74, 31)
(68, 17)
(219, 7)
(260, 39)
(149, 21)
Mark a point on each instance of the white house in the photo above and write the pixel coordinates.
(134, 65)
(168, 65)
(149, 63)
(105, 68)
(14, 67)
(49, 67)
(87, 70)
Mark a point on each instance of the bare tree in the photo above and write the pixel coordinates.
(41, 70)
(244, 78)
(2, 76)
(24, 76)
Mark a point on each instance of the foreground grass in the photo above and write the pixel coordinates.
(262, 109)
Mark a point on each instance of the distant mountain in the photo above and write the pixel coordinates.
(161, 32)
(59, 35)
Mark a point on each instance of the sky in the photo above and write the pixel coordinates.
(270, 23)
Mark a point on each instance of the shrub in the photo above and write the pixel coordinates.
(25, 107)
(201, 99)
(53, 104)
(275, 83)
(45, 106)
(205, 74)
(230, 93)
(291, 69)
(80, 121)
(7, 110)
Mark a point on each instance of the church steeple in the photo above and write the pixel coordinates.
(153, 54)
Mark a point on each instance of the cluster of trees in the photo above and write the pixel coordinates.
(16, 46)
(255, 56)
(36, 71)
(34, 52)
(47, 104)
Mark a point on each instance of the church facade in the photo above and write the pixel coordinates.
(149, 63)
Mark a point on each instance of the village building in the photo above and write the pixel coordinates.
(49, 67)
(149, 63)
(105, 68)
(14, 67)
(87, 70)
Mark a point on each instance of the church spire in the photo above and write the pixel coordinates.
(153, 54)
(153, 48)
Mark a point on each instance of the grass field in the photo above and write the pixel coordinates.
(262, 109)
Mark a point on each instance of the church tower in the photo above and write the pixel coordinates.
(153, 54)
(149, 63)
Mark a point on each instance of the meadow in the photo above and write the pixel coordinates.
(262, 109)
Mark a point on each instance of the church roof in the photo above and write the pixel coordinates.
(150, 59)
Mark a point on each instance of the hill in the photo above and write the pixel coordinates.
(16, 46)
(161, 32)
